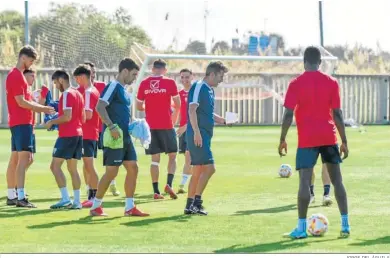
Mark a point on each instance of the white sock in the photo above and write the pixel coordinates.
(11, 193)
(76, 196)
(113, 182)
(96, 203)
(21, 195)
(129, 204)
(64, 194)
(184, 179)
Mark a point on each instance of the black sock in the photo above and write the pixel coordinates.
(155, 188)
(93, 194)
(89, 194)
(198, 199)
(326, 189)
(312, 190)
(189, 202)
(170, 179)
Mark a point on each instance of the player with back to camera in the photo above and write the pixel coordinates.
(21, 108)
(157, 92)
(314, 96)
(186, 78)
(200, 130)
(114, 108)
(69, 144)
(100, 87)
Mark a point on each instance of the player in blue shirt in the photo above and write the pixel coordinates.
(200, 129)
(114, 108)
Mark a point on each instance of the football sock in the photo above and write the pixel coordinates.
(129, 204)
(326, 189)
(189, 202)
(170, 179)
(76, 196)
(302, 225)
(155, 188)
(64, 194)
(11, 194)
(344, 221)
(96, 203)
(184, 180)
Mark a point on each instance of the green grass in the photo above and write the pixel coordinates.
(250, 206)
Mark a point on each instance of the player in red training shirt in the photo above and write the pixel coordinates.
(100, 87)
(91, 97)
(21, 108)
(314, 97)
(157, 92)
(29, 75)
(69, 144)
(186, 79)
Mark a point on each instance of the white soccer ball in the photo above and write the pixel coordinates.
(285, 171)
(317, 225)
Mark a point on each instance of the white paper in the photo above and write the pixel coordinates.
(231, 118)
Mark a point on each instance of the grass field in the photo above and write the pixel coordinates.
(249, 206)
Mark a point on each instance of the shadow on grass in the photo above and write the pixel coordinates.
(12, 211)
(270, 247)
(82, 221)
(285, 208)
(377, 241)
(146, 222)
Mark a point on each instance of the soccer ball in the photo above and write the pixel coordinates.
(317, 225)
(285, 171)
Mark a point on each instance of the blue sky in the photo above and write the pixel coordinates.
(346, 21)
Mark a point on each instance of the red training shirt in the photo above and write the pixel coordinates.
(16, 85)
(183, 107)
(100, 87)
(73, 100)
(91, 127)
(157, 92)
(313, 95)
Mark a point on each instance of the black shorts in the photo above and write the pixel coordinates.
(100, 141)
(68, 148)
(89, 149)
(163, 141)
(307, 157)
(23, 138)
(116, 157)
(183, 143)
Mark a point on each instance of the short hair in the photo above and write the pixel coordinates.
(159, 63)
(28, 71)
(312, 55)
(29, 51)
(60, 74)
(92, 65)
(185, 70)
(82, 69)
(128, 64)
(216, 67)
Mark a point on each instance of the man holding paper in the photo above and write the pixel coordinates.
(200, 129)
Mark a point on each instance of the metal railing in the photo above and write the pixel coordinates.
(364, 98)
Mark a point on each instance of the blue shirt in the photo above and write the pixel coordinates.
(119, 107)
(202, 95)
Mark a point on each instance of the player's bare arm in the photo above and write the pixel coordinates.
(194, 123)
(339, 121)
(23, 103)
(288, 117)
(84, 117)
(177, 104)
(66, 117)
(181, 130)
(219, 119)
(140, 105)
(102, 111)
